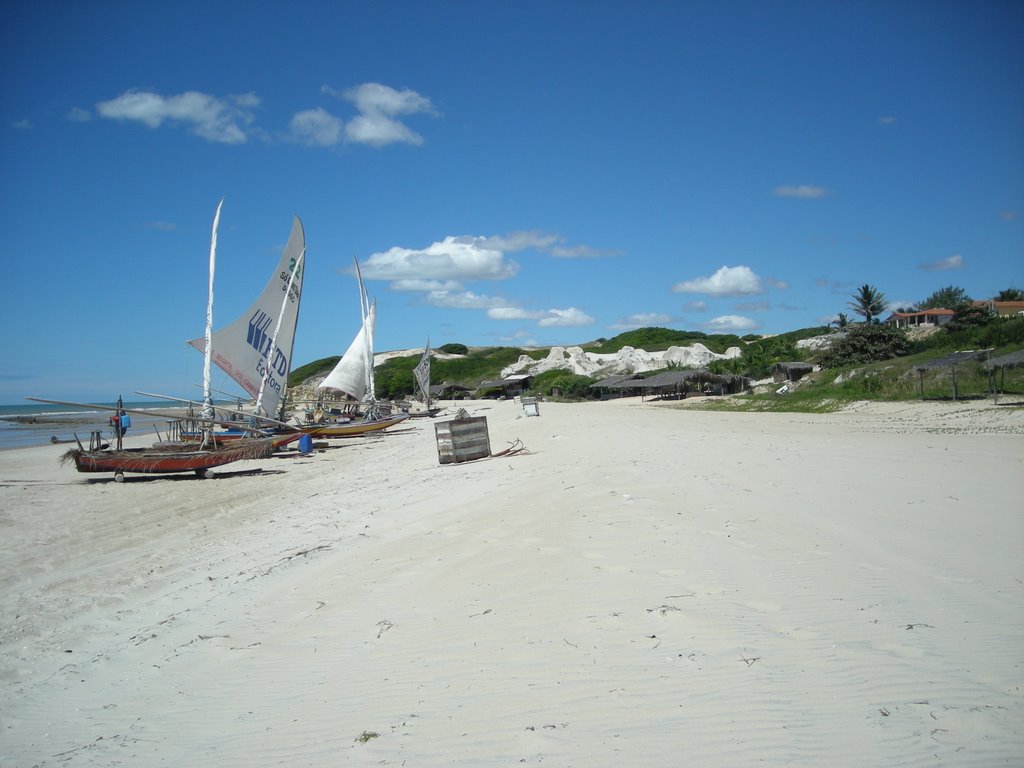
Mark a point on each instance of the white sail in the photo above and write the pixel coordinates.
(207, 411)
(422, 374)
(241, 349)
(258, 408)
(353, 374)
(350, 374)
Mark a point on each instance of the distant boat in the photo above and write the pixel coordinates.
(353, 377)
(421, 373)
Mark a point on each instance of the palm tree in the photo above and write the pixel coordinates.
(841, 322)
(869, 303)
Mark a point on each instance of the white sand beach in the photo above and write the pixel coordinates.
(647, 586)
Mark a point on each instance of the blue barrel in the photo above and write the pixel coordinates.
(306, 444)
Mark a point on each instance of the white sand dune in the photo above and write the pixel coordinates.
(648, 586)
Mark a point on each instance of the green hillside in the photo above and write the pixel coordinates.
(871, 362)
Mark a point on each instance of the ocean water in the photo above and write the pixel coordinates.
(32, 424)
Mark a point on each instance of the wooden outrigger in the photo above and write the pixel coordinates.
(354, 428)
(170, 458)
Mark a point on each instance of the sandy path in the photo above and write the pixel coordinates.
(647, 586)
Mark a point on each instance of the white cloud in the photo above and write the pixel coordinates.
(462, 300)
(79, 115)
(426, 285)
(730, 323)
(220, 120)
(378, 107)
(570, 317)
(641, 320)
(727, 281)
(696, 306)
(513, 313)
(23, 124)
(886, 120)
(802, 191)
(454, 258)
(546, 242)
(521, 241)
(951, 262)
(316, 128)
(1009, 215)
(581, 252)
(374, 97)
(379, 131)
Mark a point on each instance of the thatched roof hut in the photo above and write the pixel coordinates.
(510, 386)
(620, 384)
(791, 371)
(951, 361)
(1001, 363)
(1012, 360)
(675, 383)
(447, 390)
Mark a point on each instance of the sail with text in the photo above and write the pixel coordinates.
(247, 349)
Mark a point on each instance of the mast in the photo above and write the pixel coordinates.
(273, 339)
(364, 310)
(240, 348)
(291, 346)
(207, 412)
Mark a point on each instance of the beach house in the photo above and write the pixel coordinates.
(925, 317)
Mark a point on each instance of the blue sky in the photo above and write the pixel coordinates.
(529, 173)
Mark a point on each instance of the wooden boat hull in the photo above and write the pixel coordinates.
(354, 428)
(279, 440)
(170, 459)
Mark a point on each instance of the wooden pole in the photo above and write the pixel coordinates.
(117, 424)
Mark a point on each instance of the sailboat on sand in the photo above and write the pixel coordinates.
(256, 349)
(170, 457)
(353, 377)
(421, 373)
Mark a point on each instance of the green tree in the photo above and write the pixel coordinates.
(969, 316)
(866, 343)
(393, 382)
(841, 321)
(567, 384)
(1010, 294)
(869, 303)
(949, 297)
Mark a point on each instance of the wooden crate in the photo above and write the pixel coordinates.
(460, 440)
